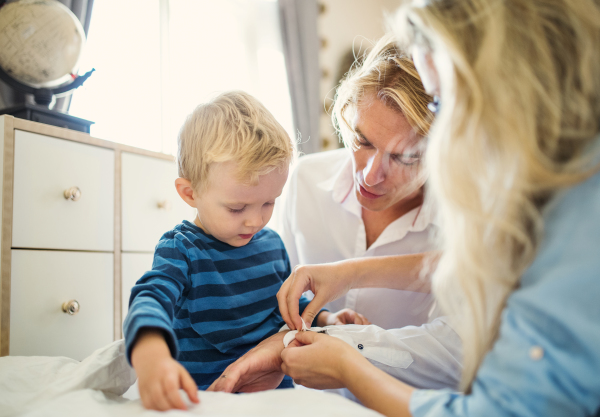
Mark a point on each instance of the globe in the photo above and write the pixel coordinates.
(41, 42)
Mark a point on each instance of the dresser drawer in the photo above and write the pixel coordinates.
(42, 217)
(41, 281)
(151, 205)
(133, 266)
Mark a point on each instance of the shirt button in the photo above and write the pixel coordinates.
(360, 346)
(536, 353)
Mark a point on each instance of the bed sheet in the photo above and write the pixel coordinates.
(56, 386)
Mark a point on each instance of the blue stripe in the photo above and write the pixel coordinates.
(229, 265)
(238, 293)
(255, 319)
(216, 314)
(194, 343)
(227, 278)
(245, 333)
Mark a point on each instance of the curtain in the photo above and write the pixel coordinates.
(9, 97)
(83, 10)
(298, 20)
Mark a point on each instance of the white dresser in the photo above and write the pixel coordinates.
(80, 219)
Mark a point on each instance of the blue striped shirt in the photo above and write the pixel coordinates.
(212, 301)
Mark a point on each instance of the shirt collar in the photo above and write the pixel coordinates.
(416, 220)
(424, 218)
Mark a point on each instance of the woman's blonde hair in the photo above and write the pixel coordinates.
(234, 126)
(520, 108)
(389, 74)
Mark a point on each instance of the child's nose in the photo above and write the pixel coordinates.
(254, 221)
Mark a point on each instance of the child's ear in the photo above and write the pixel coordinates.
(185, 191)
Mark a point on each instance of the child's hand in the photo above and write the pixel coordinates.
(160, 376)
(345, 316)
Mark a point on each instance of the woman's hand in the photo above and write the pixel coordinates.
(258, 370)
(319, 361)
(327, 281)
(159, 375)
(324, 362)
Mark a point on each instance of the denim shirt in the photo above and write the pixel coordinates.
(546, 361)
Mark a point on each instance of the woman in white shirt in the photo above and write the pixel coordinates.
(367, 201)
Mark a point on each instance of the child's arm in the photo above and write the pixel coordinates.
(159, 375)
(148, 329)
(345, 316)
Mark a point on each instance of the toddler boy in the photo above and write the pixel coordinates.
(211, 294)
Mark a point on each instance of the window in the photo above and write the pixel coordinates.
(156, 60)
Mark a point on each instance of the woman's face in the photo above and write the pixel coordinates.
(387, 166)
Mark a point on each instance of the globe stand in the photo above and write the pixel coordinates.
(40, 111)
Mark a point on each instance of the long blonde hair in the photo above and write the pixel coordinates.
(520, 105)
(388, 73)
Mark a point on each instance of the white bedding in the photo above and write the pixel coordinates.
(56, 386)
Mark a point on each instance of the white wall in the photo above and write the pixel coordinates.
(342, 24)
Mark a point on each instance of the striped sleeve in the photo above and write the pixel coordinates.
(155, 295)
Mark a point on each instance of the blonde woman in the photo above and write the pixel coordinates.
(513, 159)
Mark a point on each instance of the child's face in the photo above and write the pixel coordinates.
(232, 211)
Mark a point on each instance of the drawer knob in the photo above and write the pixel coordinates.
(164, 205)
(73, 193)
(71, 307)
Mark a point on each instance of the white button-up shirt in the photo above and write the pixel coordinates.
(320, 221)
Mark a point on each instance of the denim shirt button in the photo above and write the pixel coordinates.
(536, 353)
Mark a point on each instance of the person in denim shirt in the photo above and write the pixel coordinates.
(514, 161)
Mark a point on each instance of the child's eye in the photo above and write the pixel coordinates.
(269, 204)
(236, 210)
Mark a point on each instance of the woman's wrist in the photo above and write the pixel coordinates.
(373, 387)
(400, 272)
(349, 364)
(350, 271)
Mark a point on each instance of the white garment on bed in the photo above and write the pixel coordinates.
(395, 350)
(287, 339)
(59, 387)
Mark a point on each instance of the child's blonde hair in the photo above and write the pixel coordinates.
(389, 74)
(234, 126)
